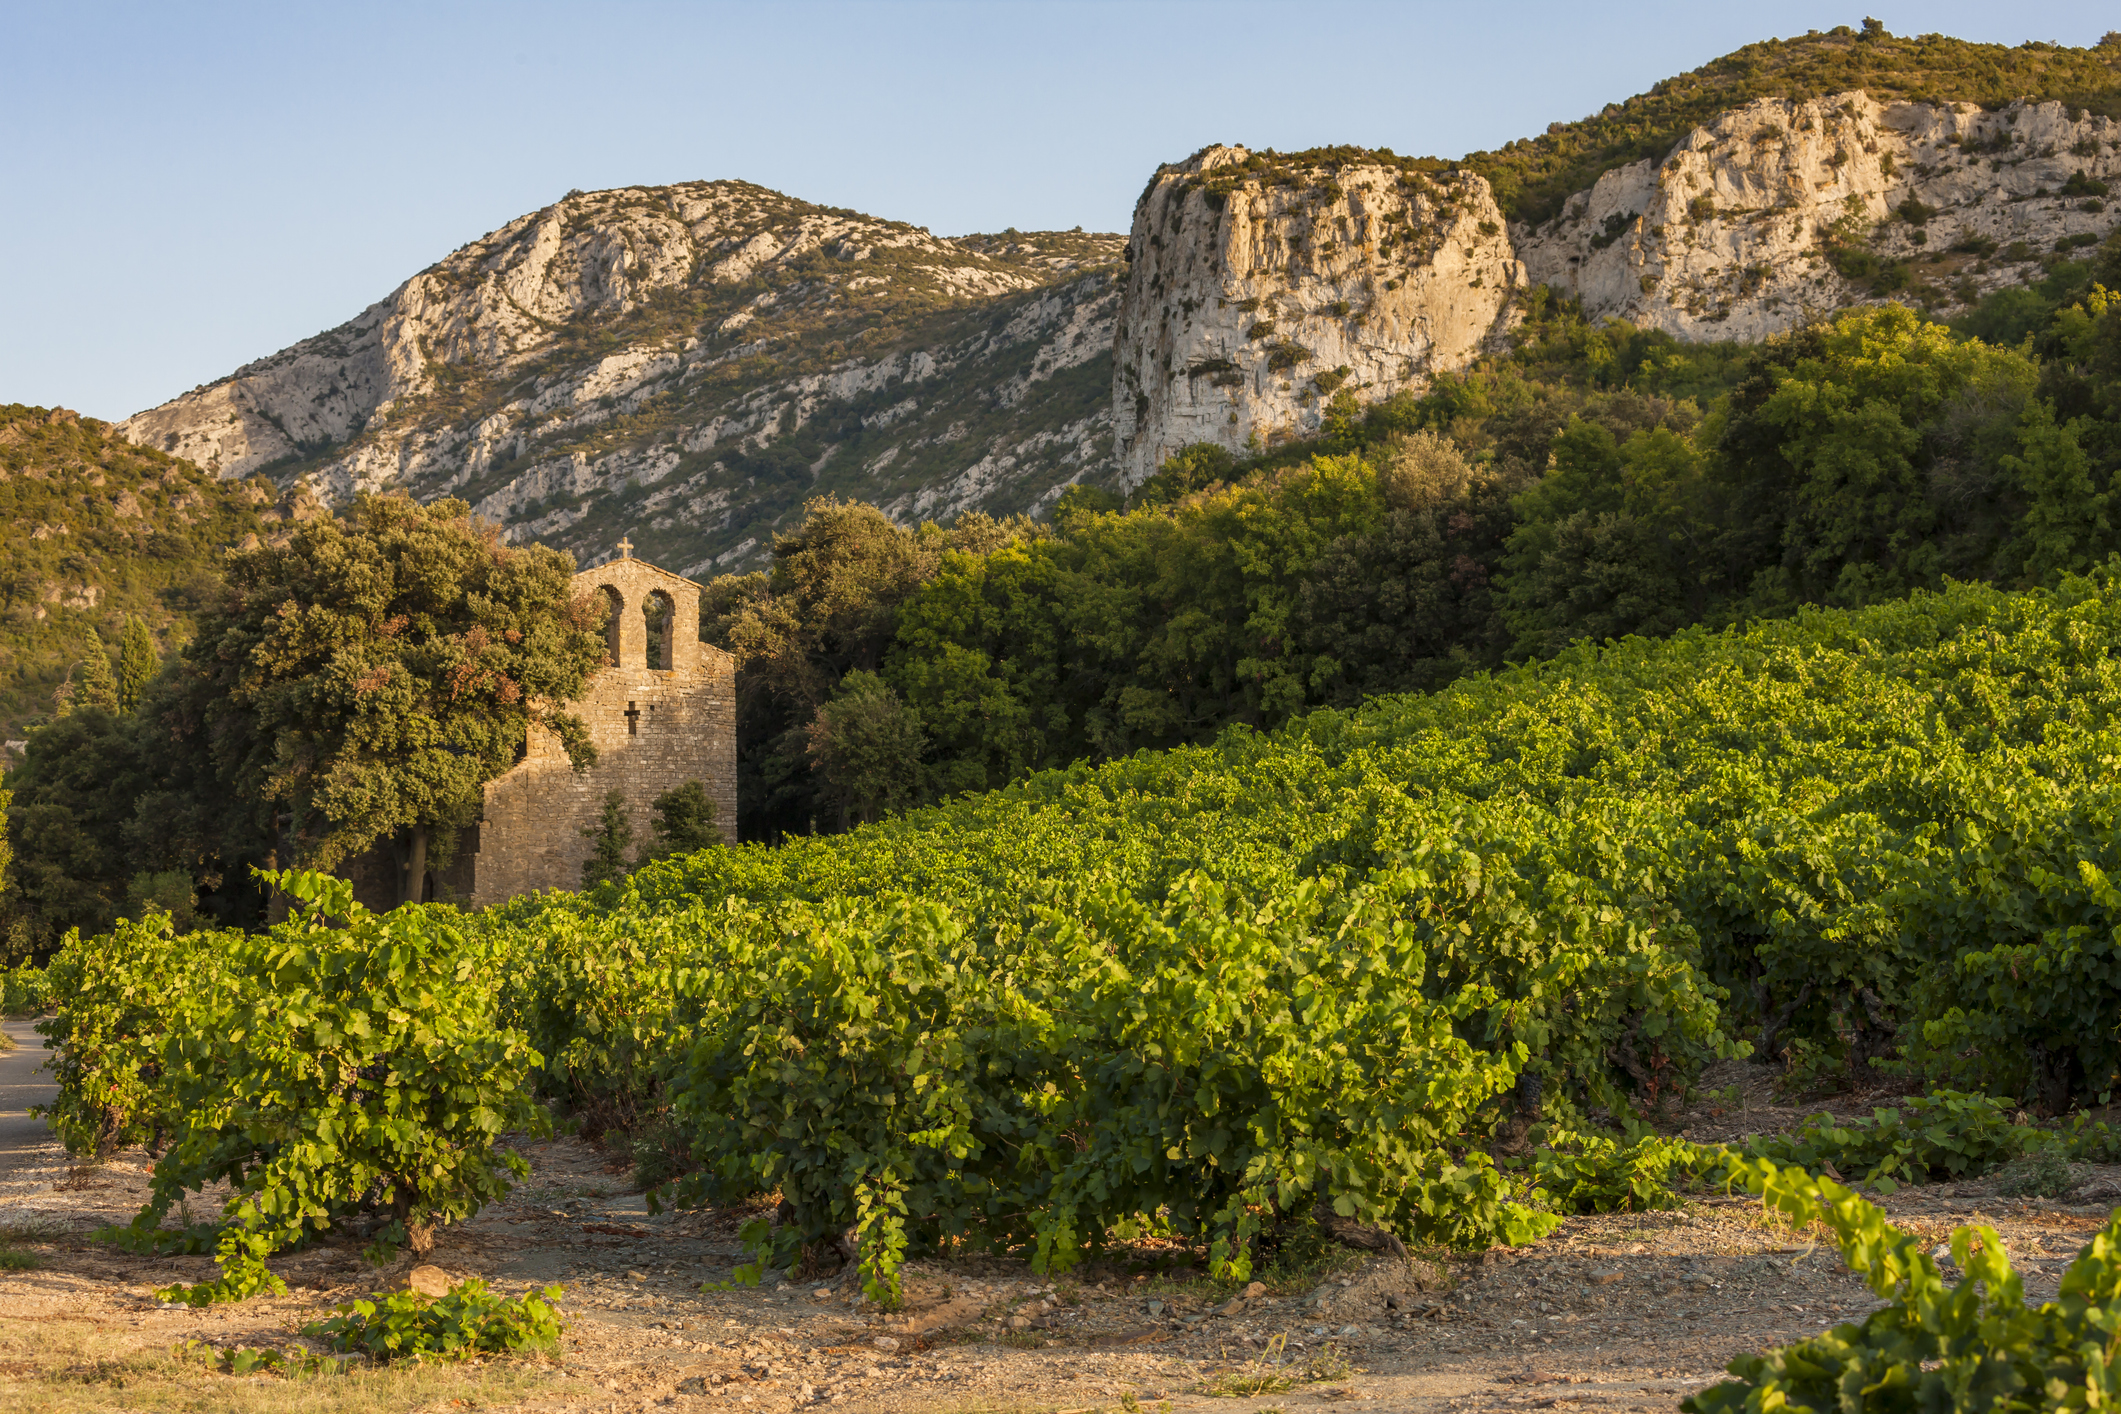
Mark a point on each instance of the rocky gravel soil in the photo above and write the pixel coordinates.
(1618, 1312)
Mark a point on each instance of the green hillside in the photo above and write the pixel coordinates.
(1219, 988)
(101, 531)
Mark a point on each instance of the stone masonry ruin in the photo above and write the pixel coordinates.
(662, 713)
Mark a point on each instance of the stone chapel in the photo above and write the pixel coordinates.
(662, 713)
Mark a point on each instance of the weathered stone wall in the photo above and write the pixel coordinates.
(653, 728)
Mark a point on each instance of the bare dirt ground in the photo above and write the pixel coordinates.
(1615, 1313)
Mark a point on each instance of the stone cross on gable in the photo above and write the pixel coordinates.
(625, 548)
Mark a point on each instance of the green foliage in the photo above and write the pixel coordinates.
(343, 1063)
(609, 839)
(71, 799)
(113, 1008)
(22, 990)
(1944, 1135)
(240, 1360)
(101, 798)
(900, 1076)
(383, 669)
(92, 683)
(1595, 1173)
(360, 681)
(865, 748)
(1934, 1345)
(1220, 985)
(829, 607)
(167, 891)
(470, 1320)
(683, 823)
(1191, 468)
(1600, 482)
(137, 661)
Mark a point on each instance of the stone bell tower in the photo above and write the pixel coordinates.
(662, 712)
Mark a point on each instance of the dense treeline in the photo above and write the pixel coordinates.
(1601, 481)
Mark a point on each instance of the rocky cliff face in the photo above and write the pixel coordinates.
(1259, 288)
(1778, 211)
(687, 365)
(1262, 285)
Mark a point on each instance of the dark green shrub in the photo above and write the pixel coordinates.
(1612, 228)
(1286, 355)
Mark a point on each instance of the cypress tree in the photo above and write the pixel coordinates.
(608, 840)
(93, 684)
(136, 663)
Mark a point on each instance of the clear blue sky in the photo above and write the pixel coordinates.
(190, 186)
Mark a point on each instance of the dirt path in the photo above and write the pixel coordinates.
(1627, 1312)
(22, 1084)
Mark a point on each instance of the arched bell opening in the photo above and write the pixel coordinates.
(659, 615)
(614, 620)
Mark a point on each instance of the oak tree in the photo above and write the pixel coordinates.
(373, 673)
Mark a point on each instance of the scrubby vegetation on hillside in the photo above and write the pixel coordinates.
(101, 533)
(951, 311)
(1533, 176)
(353, 683)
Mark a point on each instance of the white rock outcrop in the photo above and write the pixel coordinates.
(1253, 298)
(1726, 237)
(687, 363)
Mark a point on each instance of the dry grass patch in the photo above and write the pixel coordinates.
(72, 1367)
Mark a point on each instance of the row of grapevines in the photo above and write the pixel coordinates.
(1830, 832)
(342, 1065)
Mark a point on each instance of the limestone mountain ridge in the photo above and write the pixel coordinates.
(687, 365)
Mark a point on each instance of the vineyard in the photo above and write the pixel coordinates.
(1434, 966)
